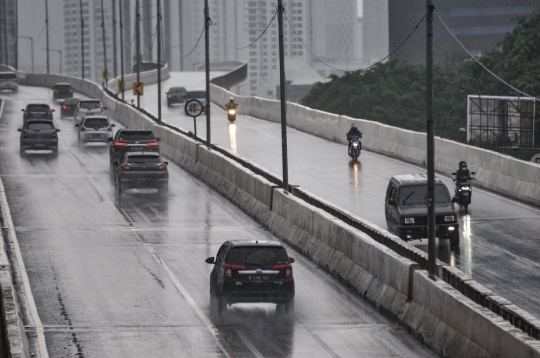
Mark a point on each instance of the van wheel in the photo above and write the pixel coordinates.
(289, 306)
(222, 304)
(454, 239)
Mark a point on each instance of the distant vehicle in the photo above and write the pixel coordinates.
(39, 135)
(61, 91)
(355, 146)
(141, 170)
(176, 95)
(198, 94)
(463, 191)
(37, 111)
(88, 107)
(250, 271)
(94, 129)
(132, 140)
(68, 107)
(8, 81)
(406, 209)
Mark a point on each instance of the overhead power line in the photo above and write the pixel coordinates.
(257, 39)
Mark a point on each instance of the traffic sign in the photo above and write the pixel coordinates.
(105, 75)
(138, 88)
(193, 107)
(121, 86)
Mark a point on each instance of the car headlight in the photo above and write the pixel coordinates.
(450, 218)
(409, 220)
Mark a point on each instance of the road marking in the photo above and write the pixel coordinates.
(40, 334)
(222, 344)
(251, 347)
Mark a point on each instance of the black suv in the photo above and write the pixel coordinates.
(406, 209)
(37, 111)
(132, 140)
(62, 91)
(68, 107)
(251, 271)
(141, 170)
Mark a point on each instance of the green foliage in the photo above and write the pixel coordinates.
(394, 93)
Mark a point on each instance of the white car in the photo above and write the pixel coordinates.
(95, 129)
(8, 81)
(88, 107)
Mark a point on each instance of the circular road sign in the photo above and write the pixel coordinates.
(193, 107)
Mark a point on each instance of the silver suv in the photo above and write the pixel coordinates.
(95, 129)
(88, 107)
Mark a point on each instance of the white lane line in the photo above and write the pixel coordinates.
(222, 344)
(40, 333)
(250, 345)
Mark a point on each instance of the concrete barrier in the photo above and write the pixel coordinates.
(146, 77)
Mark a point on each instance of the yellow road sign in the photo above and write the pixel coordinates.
(138, 88)
(121, 85)
(105, 75)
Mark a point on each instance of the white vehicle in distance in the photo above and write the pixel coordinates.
(95, 129)
(88, 107)
(8, 81)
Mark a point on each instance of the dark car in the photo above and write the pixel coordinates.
(132, 140)
(62, 91)
(39, 135)
(68, 107)
(176, 95)
(251, 271)
(37, 111)
(406, 209)
(141, 170)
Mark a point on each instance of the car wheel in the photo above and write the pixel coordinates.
(454, 239)
(22, 151)
(222, 304)
(289, 306)
(164, 190)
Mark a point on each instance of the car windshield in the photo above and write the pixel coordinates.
(417, 194)
(96, 123)
(38, 107)
(71, 101)
(260, 256)
(39, 126)
(143, 159)
(8, 76)
(177, 90)
(196, 94)
(90, 105)
(136, 135)
(63, 87)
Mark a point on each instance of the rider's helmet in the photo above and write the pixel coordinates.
(232, 99)
(463, 165)
(354, 125)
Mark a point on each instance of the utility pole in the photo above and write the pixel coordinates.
(6, 47)
(159, 57)
(432, 263)
(47, 25)
(207, 62)
(115, 60)
(31, 49)
(121, 45)
(104, 43)
(138, 32)
(282, 87)
(82, 39)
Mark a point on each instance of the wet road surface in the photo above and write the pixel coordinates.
(127, 278)
(499, 236)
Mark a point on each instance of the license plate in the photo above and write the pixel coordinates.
(143, 179)
(96, 136)
(90, 114)
(39, 145)
(137, 149)
(465, 194)
(258, 278)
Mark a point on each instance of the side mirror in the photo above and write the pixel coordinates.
(453, 173)
(52, 110)
(392, 202)
(166, 163)
(22, 110)
(158, 139)
(473, 173)
(19, 130)
(76, 125)
(110, 139)
(210, 260)
(57, 130)
(291, 260)
(113, 125)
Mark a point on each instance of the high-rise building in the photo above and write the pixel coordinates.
(94, 55)
(479, 25)
(8, 33)
(375, 30)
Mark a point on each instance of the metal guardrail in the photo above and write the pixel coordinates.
(465, 286)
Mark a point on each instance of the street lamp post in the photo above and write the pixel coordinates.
(31, 48)
(47, 30)
(82, 38)
(104, 45)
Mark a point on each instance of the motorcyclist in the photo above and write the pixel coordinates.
(231, 104)
(463, 174)
(354, 132)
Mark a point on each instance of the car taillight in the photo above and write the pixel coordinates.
(162, 167)
(49, 111)
(125, 167)
(120, 144)
(54, 135)
(286, 267)
(83, 129)
(77, 109)
(102, 109)
(229, 269)
(109, 129)
(65, 107)
(25, 135)
(153, 144)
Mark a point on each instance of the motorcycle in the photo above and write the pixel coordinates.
(463, 192)
(231, 114)
(355, 146)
